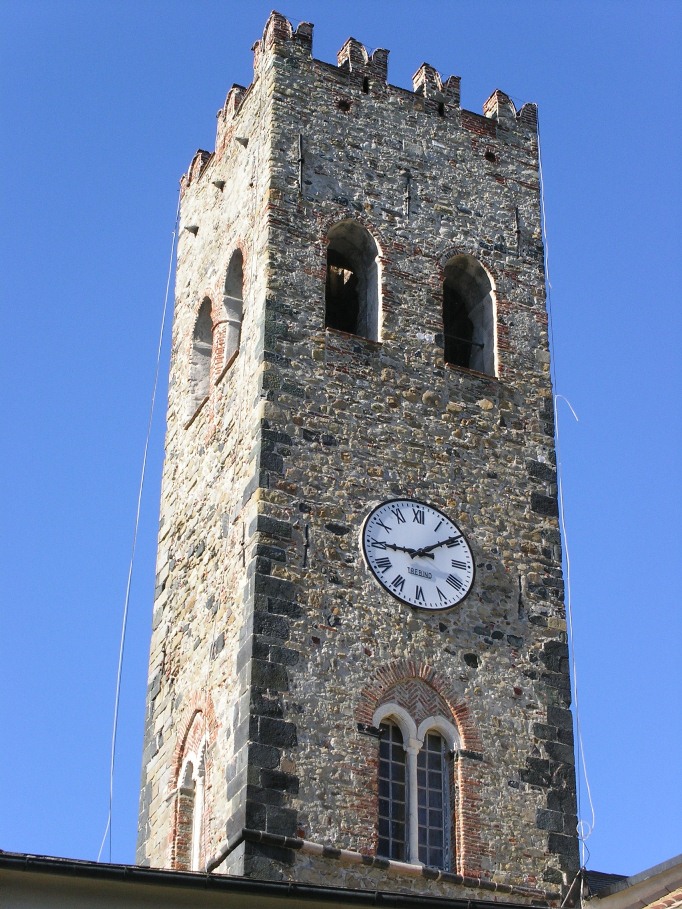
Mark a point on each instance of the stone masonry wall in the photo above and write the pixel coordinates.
(201, 620)
(265, 607)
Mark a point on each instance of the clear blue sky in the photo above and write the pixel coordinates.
(103, 106)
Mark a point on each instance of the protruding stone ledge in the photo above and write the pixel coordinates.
(539, 897)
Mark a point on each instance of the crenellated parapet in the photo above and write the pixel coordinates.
(361, 72)
(499, 106)
(428, 82)
(196, 168)
(355, 58)
(235, 96)
(371, 69)
(280, 37)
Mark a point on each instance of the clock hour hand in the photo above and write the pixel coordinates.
(413, 553)
(396, 548)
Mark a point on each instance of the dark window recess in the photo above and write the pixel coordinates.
(457, 328)
(365, 85)
(468, 316)
(392, 794)
(352, 285)
(341, 294)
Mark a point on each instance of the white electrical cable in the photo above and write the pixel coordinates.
(107, 829)
(584, 828)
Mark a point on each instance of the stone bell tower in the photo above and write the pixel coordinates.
(358, 671)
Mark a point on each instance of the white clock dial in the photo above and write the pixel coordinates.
(418, 554)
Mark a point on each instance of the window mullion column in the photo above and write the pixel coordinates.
(412, 749)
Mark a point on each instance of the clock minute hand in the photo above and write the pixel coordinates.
(426, 549)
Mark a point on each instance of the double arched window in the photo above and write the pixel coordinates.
(468, 315)
(352, 285)
(415, 787)
(216, 340)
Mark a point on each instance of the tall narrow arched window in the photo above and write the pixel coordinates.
(434, 801)
(232, 304)
(198, 815)
(189, 821)
(392, 794)
(200, 357)
(352, 299)
(186, 819)
(468, 315)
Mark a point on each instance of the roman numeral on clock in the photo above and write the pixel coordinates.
(455, 582)
(398, 582)
(454, 542)
(418, 515)
(383, 563)
(400, 517)
(457, 564)
(378, 544)
(419, 595)
(381, 524)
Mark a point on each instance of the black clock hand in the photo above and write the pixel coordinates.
(425, 550)
(412, 552)
(396, 548)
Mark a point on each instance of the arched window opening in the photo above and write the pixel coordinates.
(198, 814)
(186, 819)
(352, 285)
(188, 851)
(468, 315)
(416, 807)
(190, 815)
(434, 801)
(392, 794)
(233, 306)
(200, 357)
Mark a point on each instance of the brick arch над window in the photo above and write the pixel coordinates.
(189, 832)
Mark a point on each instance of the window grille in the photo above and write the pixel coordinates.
(392, 793)
(433, 802)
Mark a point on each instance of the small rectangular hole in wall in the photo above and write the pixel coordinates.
(365, 85)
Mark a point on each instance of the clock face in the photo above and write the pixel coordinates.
(417, 554)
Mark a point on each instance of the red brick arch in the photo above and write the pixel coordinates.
(198, 724)
(402, 681)
(423, 692)
(198, 704)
